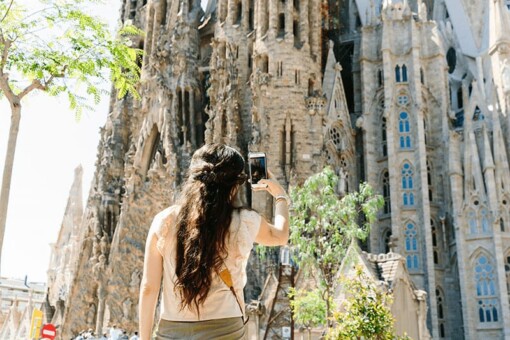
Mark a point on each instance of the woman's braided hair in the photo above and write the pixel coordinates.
(204, 219)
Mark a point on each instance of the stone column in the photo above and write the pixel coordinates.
(289, 18)
(101, 293)
(303, 21)
(273, 17)
(245, 19)
(230, 11)
(183, 116)
(173, 114)
(315, 28)
(422, 315)
(192, 123)
(149, 28)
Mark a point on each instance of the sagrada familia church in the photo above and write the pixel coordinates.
(411, 96)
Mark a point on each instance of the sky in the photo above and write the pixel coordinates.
(51, 144)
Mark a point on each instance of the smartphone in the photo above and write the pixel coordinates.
(258, 166)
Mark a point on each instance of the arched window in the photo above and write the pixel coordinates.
(429, 181)
(404, 73)
(507, 272)
(380, 78)
(411, 242)
(397, 74)
(407, 185)
(386, 192)
(384, 138)
(486, 294)
(404, 129)
(440, 311)
(387, 240)
(504, 220)
(435, 242)
(336, 137)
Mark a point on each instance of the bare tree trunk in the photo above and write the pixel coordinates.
(7, 173)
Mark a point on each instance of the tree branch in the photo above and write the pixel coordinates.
(5, 52)
(7, 12)
(36, 84)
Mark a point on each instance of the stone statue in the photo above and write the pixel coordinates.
(100, 268)
(91, 314)
(104, 244)
(126, 308)
(342, 181)
(95, 249)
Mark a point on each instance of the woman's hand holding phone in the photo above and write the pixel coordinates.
(270, 185)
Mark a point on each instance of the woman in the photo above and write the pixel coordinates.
(192, 244)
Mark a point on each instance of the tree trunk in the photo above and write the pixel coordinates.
(7, 174)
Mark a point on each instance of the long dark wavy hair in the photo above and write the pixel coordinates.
(204, 219)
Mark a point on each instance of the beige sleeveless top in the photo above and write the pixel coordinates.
(220, 302)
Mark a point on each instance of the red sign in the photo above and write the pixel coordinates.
(48, 331)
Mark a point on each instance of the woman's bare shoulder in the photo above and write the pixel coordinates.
(171, 211)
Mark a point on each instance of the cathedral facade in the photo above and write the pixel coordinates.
(412, 96)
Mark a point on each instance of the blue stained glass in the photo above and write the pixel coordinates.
(488, 315)
(480, 312)
(397, 73)
(495, 314)
(401, 126)
(415, 261)
(472, 226)
(415, 247)
(409, 262)
(408, 243)
(411, 199)
(408, 142)
(485, 225)
(402, 142)
(406, 125)
(405, 199)
(404, 73)
(492, 288)
(410, 182)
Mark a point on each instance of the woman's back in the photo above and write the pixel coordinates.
(220, 302)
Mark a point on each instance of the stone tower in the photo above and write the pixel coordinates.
(404, 98)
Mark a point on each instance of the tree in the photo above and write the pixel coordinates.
(60, 50)
(365, 312)
(308, 308)
(323, 225)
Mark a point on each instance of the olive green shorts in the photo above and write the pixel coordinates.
(222, 329)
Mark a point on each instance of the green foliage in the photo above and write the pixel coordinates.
(365, 312)
(59, 49)
(323, 225)
(308, 307)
